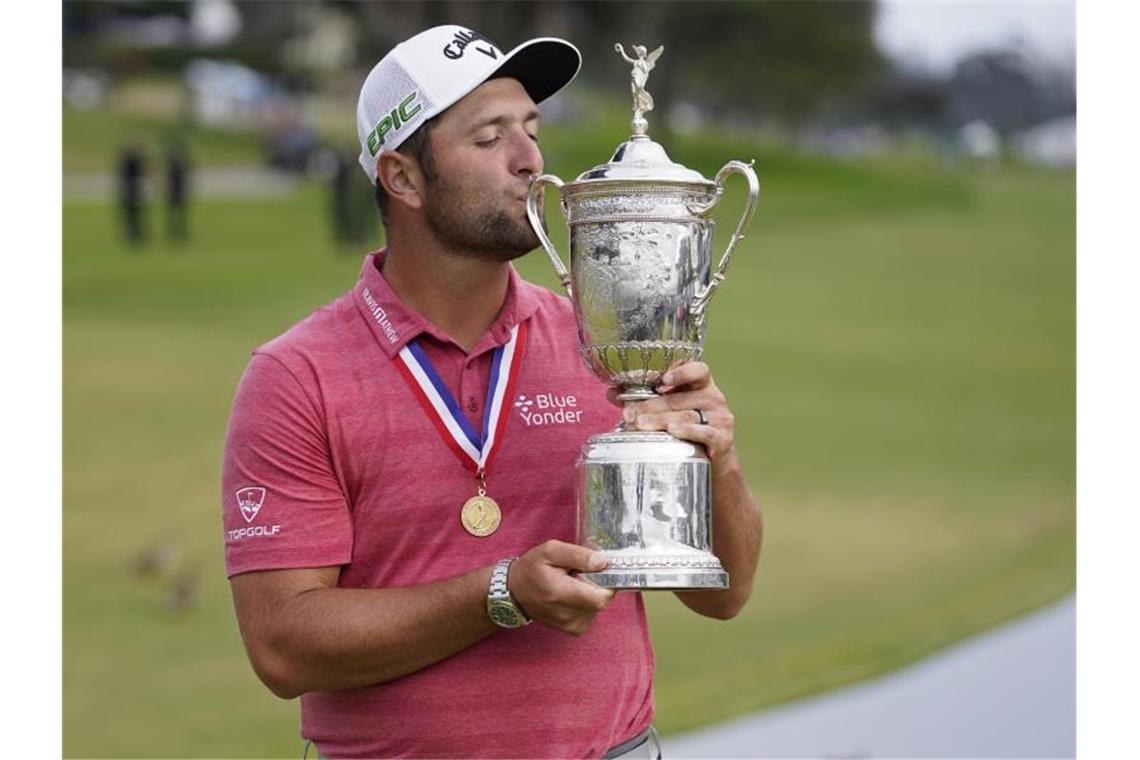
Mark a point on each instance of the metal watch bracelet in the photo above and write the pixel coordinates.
(501, 605)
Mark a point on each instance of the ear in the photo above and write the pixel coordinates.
(401, 178)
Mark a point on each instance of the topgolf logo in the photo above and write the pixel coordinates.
(250, 501)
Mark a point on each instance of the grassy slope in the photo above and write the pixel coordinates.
(897, 343)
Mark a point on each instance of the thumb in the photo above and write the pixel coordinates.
(574, 557)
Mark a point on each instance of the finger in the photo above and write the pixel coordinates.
(612, 396)
(573, 557)
(657, 420)
(664, 387)
(696, 374)
(582, 594)
(662, 420)
(572, 594)
(715, 440)
(707, 399)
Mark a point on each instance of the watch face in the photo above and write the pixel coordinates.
(505, 616)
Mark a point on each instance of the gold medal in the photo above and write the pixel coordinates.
(480, 515)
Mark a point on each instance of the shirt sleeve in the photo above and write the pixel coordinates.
(282, 504)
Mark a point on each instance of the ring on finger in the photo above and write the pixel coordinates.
(702, 417)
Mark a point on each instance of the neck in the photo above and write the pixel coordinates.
(462, 296)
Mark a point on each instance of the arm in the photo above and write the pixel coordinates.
(738, 530)
(737, 521)
(618, 47)
(302, 633)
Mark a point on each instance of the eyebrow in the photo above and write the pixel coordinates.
(532, 115)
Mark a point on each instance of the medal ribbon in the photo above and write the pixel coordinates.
(474, 451)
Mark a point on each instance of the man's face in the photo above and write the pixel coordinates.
(484, 151)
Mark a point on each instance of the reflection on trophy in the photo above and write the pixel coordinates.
(640, 280)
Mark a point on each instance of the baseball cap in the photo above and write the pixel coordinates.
(426, 74)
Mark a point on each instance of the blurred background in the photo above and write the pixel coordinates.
(896, 336)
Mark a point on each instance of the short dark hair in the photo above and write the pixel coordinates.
(417, 146)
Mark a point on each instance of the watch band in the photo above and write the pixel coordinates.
(501, 605)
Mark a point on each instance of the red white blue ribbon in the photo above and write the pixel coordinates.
(475, 450)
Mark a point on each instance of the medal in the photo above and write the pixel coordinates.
(480, 515)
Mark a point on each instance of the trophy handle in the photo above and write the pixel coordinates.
(536, 223)
(701, 301)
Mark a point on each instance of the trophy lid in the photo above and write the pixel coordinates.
(642, 159)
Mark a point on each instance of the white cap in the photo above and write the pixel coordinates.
(423, 76)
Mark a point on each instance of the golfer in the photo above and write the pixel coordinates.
(398, 490)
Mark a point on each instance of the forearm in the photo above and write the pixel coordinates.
(737, 534)
(336, 638)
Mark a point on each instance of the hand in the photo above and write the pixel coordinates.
(688, 387)
(542, 586)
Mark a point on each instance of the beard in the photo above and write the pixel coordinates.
(469, 222)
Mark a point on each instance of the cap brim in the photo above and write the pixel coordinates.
(543, 66)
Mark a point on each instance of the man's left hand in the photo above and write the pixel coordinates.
(687, 388)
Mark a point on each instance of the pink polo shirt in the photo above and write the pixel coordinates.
(330, 460)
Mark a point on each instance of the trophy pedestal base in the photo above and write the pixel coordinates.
(644, 501)
(659, 578)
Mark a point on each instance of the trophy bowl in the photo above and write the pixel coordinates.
(640, 280)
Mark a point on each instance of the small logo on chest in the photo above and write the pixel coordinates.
(549, 409)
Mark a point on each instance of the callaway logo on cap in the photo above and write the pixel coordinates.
(423, 76)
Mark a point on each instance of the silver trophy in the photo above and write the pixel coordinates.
(639, 279)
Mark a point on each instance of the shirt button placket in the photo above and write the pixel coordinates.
(467, 381)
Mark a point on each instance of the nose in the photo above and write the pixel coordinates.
(526, 158)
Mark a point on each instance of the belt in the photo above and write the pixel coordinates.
(626, 748)
(612, 753)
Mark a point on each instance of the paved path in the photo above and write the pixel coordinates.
(1010, 692)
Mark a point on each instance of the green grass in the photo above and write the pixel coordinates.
(896, 340)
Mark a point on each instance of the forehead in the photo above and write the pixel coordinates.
(497, 97)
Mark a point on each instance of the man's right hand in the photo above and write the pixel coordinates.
(541, 583)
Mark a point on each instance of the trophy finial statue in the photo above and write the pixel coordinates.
(642, 100)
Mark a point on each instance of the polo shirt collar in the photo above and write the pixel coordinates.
(394, 324)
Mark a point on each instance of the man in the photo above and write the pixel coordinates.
(132, 192)
(361, 580)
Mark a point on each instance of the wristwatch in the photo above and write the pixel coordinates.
(501, 605)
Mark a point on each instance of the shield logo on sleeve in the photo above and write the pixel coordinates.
(249, 501)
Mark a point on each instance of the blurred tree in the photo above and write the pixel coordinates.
(776, 59)
(782, 59)
(1007, 89)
